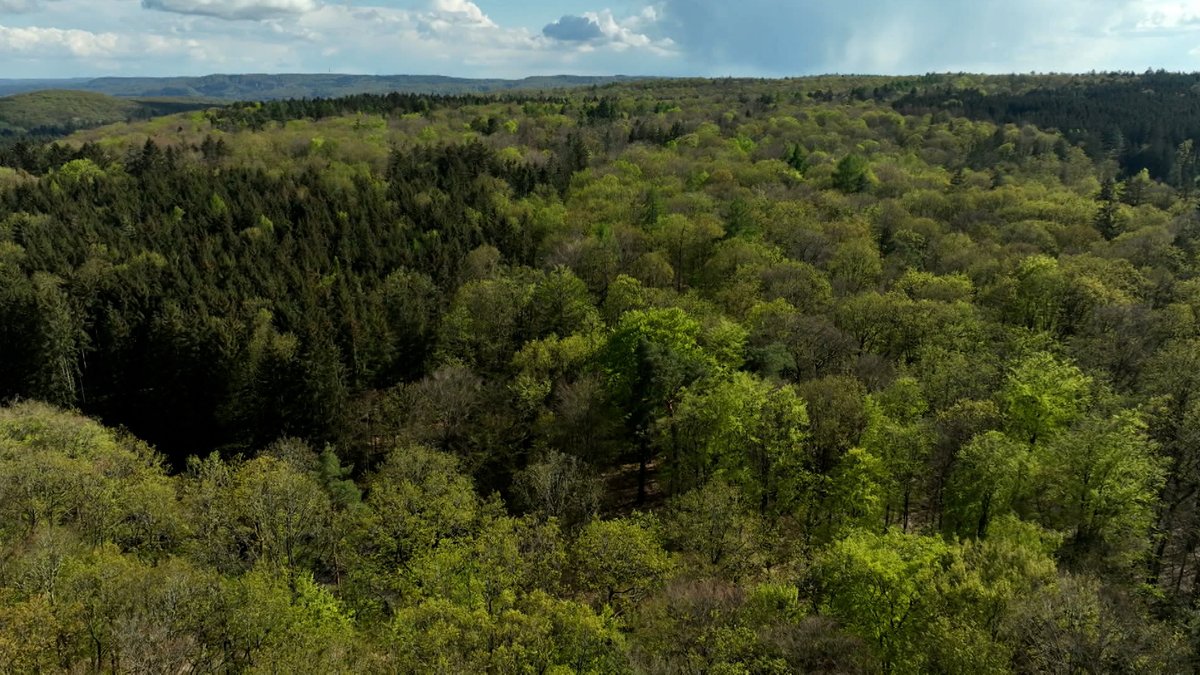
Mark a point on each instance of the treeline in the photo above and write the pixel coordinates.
(1148, 122)
(699, 377)
(256, 115)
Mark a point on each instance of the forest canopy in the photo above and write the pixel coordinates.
(853, 375)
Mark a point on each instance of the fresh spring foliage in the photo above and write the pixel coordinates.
(853, 375)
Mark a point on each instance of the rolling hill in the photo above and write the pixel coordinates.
(61, 108)
(56, 110)
(268, 87)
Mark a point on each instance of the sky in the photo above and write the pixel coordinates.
(502, 38)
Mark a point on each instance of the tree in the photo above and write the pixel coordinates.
(414, 500)
(1098, 483)
(483, 326)
(898, 435)
(410, 303)
(855, 266)
(560, 305)
(60, 343)
(621, 560)
(745, 430)
(802, 285)
(798, 159)
(649, 359)
(284, 622)
(885, 588)
(1038, 294)
(1079, 625)
(687, 243)
(838, 418)
(989, 480)
(1184, 167)
(1042, 396)
(1136, 188)
(984, 590)
(283, 514)
(1106, 217)
(27, 634)
(715, 524)
(562, 487)
(60, 469)
(853, 174)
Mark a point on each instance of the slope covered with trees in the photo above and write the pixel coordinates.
(58, 112)
(672, 377)
(1145, 122)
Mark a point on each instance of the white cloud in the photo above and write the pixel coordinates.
(193, 37)
(254, 10)
(96, 52)
(1164, 15)
(57, 41)
(461, 12)
(456, 37)
(629, 32)
(590, 30)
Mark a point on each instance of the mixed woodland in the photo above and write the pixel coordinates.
(823, 375)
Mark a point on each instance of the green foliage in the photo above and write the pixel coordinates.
(56, 108)
(1042, 396)
(57, 469)
(562, 487)
(889, 392)
(885, 587)
(990, 480)
(715, 524)
(417, 499)
(620, 561)
(853, 174)
(1098, 483)
(746, 431)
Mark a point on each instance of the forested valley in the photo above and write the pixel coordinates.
(820, 375)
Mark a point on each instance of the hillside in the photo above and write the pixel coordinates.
(62, 108)
(58, 110)
(1139, 120)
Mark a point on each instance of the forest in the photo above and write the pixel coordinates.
(817, 375)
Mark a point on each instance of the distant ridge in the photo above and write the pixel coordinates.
(267, 87)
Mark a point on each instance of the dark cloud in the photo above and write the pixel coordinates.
(18, 6)
(811, 36)
(573, 29)
(252, 10)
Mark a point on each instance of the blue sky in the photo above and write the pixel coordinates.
(499, 38)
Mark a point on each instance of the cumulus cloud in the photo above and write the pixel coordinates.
(451, 37)
(461, 12)
(591, 30)
(573, 29)
(96, 47)
(633, 31)
(232, 10)
(51, 41)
